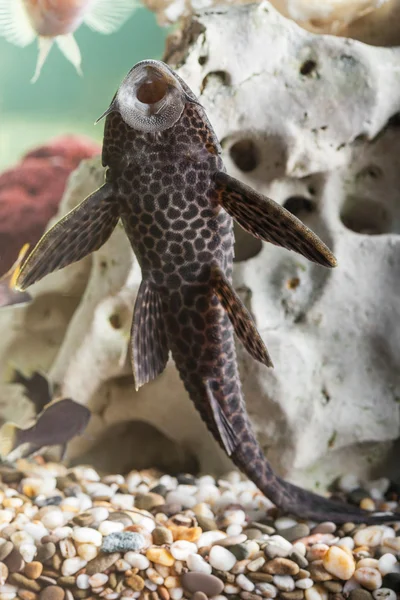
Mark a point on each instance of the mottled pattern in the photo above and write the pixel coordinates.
(80, 232)
(174, 199)
(148, 335)
(265, 219)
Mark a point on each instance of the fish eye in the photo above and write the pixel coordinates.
(150, 99)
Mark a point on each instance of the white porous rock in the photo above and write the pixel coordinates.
(303, 119)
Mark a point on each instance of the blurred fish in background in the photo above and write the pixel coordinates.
(55, 21)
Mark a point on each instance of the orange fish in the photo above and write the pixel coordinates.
(21, 21)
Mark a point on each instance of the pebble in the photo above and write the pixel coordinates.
(221, 558)
(181, 549)
(304, 584)
(3, 573)
(317, 592)
(245, 583)
(5, 550)
(369, 578)
(101, 563)
(209, 538)
(360, 594)
(162, 535)
(282, 566)
(160, 556)
(82, 581)
(98, 580)
(52, 592)
(384, 594)
(136, 560)
(14, 561)
(295, 532)
(369, 536)
(285, 583)
(339, 563)
(392, 581)
(87, 535)
(72, 565)
(33, 570)
(195, 562)
(202, 582)
(122, 542)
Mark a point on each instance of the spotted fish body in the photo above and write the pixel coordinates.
(166, 181)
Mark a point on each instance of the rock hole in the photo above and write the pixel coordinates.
(115, 321)
(299, 204)
(394, 120)
(293, 283)
(222, 77)
(202, 60)
(366, 216)
(308, 67)
(245, 155)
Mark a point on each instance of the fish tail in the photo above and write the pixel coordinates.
(8, 438)
(206, 361)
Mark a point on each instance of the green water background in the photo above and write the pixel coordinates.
(61, 101)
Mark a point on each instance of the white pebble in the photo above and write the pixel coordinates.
(87, 551)
(28, 552)
(245, 583)
(122, 501)
(7, 592)
(231, 589)
(195, 562)
(285, 583)
(176, 593)
(234, 530)
(300, 547)
(52, 519)
(82, 581)
(107, 527)
(386, 563)
(63, 532)
(121, 565)
(186, 500)
(181, 549)
(87, 535)
(97, 490)
(267, 590)
(208, 493)
(21, 537)
(236, 517)
(221, 558)
(136, 560)
(304, 584)
(369, 578)
(87, 473)
(282, 542)
(384, 594)
(98, 580)
(148, 524)
(72, 565)
(316, 592)
(285, 523)
(6, 516)
(369, 536)
(256, 564)
(99, 513)
(208, 538)
(349, 586)
(67, 548)
(346, 542)
(36, 530)
(150, 585)
(33, 486)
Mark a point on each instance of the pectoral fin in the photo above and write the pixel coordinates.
(268, 221)
(149, 339)
(240, 318)
(225, 429)
(82, 231)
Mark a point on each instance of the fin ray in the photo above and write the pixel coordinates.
(69, 47)
(268, 221)
(149, 340)
(225, 429)
(240, 318)
(82, 231)
(15, 26)
(45, 44)
(106, 17)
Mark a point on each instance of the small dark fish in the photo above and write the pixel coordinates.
(37, 388)
(61, 421)
(8, 295)
(167, 183)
